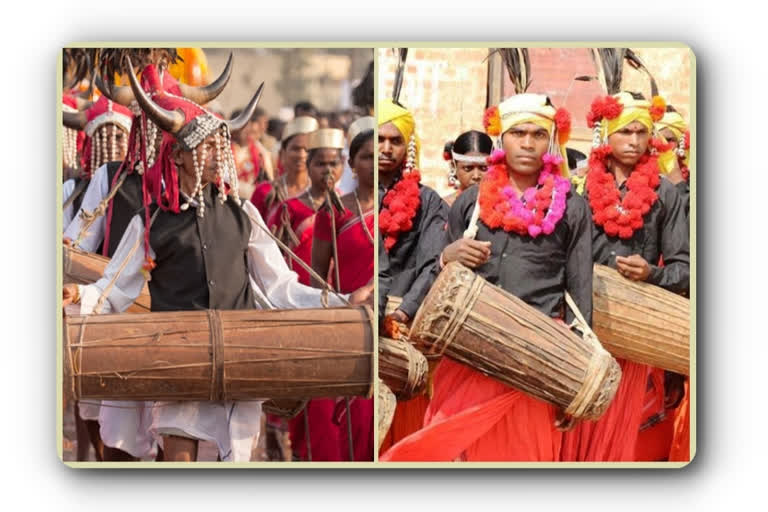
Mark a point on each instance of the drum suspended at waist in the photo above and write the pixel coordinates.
(641, 322)
(478, 324)
(220, 355)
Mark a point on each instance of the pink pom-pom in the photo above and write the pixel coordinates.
(547, 226)
(534, 230)
(497, 157)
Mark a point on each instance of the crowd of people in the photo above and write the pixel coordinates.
(215, 211)
(529, 218)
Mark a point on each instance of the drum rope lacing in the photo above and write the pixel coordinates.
(599, 364)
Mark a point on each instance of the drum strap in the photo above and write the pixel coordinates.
(75, 193)
(597, 368)
(471, 230)
(90, 217)
(108, 288)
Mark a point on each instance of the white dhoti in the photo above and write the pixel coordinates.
(233, 426)
(125, 425)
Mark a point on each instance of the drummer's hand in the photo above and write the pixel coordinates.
(400, 316)
(363, 295)
(470, 253)
(67, 241)
(633, 267)
(71, 295)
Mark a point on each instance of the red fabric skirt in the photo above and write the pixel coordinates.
(681, 437)
(654, 442)
(614, 436)
(472, 417)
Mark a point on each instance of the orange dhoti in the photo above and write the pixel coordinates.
(472, 417)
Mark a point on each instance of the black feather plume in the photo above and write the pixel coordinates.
(402, 54)
(610, 63)
(518, 65)
(636, 63)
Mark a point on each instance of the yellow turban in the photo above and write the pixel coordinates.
(640, 111)
(526, 108)
(390, 112)
(531, 108)
(634, 110)
(674, 122)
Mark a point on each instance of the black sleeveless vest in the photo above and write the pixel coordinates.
(77, 201)
(201, 263)
(127, 201)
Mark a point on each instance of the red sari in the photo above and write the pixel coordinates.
(299, 218)
(259, 199)
(324, 434)
(355, 266)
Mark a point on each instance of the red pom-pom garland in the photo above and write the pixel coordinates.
(621, 217)
(399, 207)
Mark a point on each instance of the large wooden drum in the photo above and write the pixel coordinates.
(641, 322)
(83, 267)
(480, 325)
(220, 355)
(402, 368)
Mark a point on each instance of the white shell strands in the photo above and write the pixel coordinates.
(221, 172)
(596, 138)
(229, 161)
(69, 149)
(410, 162)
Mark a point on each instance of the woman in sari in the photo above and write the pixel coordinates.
(350, 262)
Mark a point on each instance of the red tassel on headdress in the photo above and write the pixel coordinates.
(85, 158)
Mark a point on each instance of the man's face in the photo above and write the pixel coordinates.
(524, 145)
(206, 159)
(392, 148)
(669, 135)
(363, 163)
(294, 154)
(262, 123)
(325, 166)
(629, 143)
(121, 139)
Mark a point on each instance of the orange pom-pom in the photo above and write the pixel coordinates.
(492, 121)
(658, 107)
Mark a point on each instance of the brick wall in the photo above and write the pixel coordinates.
(445, 90)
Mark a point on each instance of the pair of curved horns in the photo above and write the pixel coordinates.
(75, 120)
(172, 120)
(201, 95)
(240, 121)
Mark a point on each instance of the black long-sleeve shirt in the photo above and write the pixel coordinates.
(664, 233)
(684, 189)
(412, 261)
(385, 277)
(537, 270)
